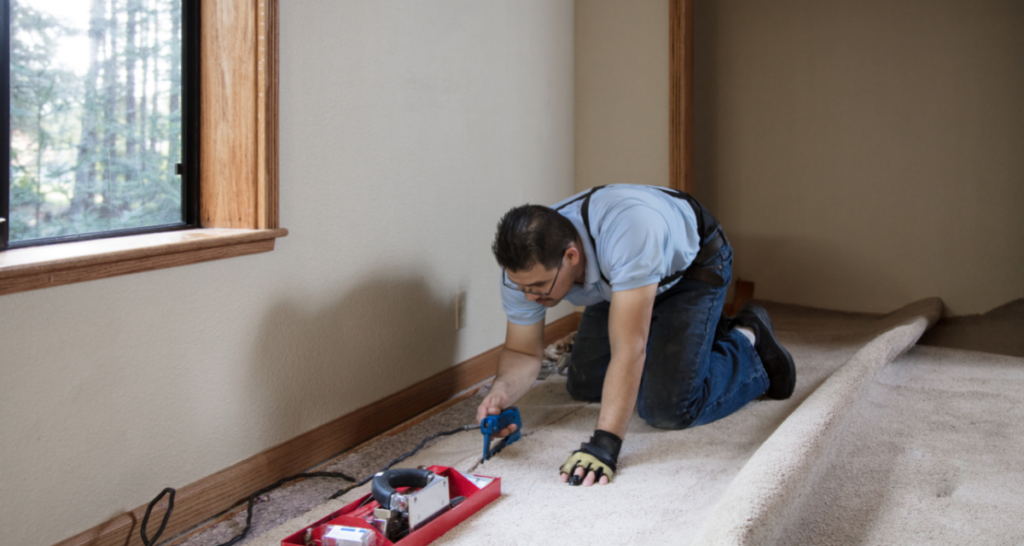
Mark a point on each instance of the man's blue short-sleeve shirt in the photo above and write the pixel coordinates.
(643, 235)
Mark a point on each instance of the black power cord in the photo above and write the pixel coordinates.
(365, 480)
(167, 515)
(252, 498)
(275, 485)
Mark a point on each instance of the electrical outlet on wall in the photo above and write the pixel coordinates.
(460, 309)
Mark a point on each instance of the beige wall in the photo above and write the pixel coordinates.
(622, 92)
(865, 154)
(407, 129)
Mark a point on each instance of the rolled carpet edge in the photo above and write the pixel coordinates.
(759, 501)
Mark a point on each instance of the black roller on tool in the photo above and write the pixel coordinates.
(385, 483)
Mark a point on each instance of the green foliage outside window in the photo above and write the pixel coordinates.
(95, 116)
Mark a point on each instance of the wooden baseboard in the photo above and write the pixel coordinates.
(204, 499)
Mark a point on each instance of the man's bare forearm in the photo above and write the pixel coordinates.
(516, 373)
(628, 326)
(621, 386)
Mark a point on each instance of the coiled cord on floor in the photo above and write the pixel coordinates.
(252, 498)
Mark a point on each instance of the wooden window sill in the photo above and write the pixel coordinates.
(54, 265)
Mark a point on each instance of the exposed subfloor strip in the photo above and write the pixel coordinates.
(300, 497)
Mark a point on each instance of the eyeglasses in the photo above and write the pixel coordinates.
(529, 290)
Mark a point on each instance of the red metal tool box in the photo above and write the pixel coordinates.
(477, 490)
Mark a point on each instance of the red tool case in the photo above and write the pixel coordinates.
(355, 513)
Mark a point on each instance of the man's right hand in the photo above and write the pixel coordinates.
(493, 404)
(518, 365)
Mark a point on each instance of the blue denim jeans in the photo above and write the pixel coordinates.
(695, 372)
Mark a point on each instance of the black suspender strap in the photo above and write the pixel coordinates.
(585, 213)
(707, 226)
(584, 196)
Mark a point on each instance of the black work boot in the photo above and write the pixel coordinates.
(776, 359)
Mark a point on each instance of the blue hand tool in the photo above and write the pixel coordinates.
(492, 424)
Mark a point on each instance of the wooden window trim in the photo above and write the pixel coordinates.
(238, 165)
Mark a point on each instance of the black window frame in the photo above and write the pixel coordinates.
(190, 131)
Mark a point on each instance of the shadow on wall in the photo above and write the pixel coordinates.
(802, 271)
(314, 365)
(997, 331)
(705, 104)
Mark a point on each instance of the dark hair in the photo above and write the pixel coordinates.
(532, 234)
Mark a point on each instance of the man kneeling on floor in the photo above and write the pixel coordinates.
(652, 266)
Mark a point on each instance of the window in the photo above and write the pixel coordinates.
(103, 102)
(237, 161)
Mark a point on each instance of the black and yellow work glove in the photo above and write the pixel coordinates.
(600, 456)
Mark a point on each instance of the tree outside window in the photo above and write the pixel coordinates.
(95, 116)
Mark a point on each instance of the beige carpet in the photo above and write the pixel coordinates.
(867, 451)
(933, 454)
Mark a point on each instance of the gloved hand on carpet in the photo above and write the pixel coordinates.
(594, 461)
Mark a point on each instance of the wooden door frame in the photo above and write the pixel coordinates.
(681, 95)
